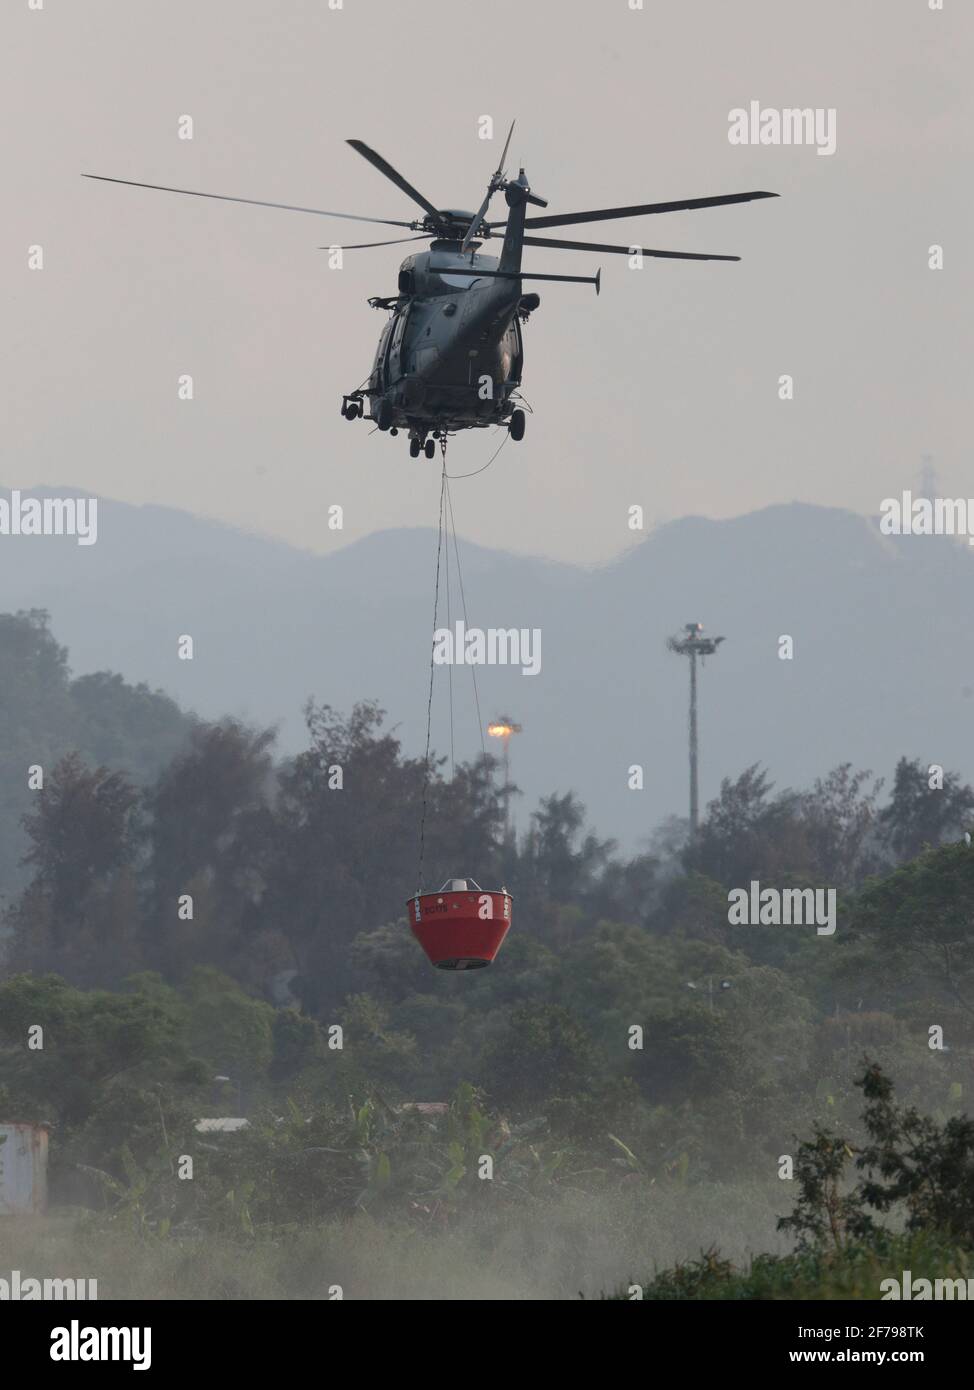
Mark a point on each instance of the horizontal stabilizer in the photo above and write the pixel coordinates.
(517, 275)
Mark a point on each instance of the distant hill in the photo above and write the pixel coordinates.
(883, 662)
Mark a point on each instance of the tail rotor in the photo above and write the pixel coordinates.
(496, 183)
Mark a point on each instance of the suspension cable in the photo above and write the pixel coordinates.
(448, 520)
(457, 476)
(429, 704)
(463, 604)
(449, 617)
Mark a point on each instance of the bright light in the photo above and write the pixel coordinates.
(500, 730)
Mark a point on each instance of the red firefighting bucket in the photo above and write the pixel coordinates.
(461, 927)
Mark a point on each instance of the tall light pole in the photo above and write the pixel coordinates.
(693, 644)
(502, 728)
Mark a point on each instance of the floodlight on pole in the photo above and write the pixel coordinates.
(693, 644)
(503, 728)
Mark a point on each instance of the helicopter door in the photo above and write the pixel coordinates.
(518, 361)
(379, 372)
(397, 355)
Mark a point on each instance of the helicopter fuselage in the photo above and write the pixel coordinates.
(451, 355)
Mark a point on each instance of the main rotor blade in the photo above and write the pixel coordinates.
(503, 158)
(396, 241)
(384, 167)
(254, 202)
(565, 219)
(492, 187)
(623, 250)
(477, 218)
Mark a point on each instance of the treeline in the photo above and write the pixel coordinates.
(228, 911)
(291, 876)
(45, 714)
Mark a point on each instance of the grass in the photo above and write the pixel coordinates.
(856, 1273)
(551, 1248)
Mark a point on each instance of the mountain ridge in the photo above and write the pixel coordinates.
(878, 671)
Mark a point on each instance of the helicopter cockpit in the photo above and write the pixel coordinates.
(416, 277)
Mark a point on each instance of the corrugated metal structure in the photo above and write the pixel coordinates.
(23, 1170)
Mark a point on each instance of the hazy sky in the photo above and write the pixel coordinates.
(663, 391)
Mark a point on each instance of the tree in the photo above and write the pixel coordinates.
(96, 1045)
(919, 815)
(36, 717)
(45, 715)
(733, 845)
(819, 836)
(922, 915)
(912, 1162)
(909, 1164)
(126, 726)
(80, 912)
(689, 1050)
(80, 829)
(348, 824)
(226, 1026)
(558, 864)
(838, 817)
(544, 1053)
(210, 837)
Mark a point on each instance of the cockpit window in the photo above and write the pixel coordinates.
(461, 282)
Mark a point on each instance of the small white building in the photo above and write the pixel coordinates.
(23, 1170)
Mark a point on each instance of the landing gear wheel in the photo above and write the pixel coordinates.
(430, 448)
(517, 425)
(414, 448)
(384, 415)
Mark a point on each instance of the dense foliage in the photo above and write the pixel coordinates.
(910, 1167)
(205, 930)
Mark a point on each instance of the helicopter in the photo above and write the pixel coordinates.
(451, 353)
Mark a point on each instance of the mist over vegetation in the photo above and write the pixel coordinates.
(296, 995)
